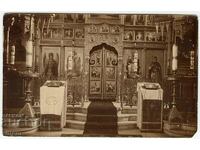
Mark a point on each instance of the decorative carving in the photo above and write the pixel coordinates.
(92, 29)
(115, 29)
(79, 33)
(104, 28)
(150, 36)
(139, 36)
(68, 33)
(140, 20)
(129, 35)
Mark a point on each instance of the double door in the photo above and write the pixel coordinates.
(103, 74)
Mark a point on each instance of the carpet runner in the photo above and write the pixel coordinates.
(101, 119)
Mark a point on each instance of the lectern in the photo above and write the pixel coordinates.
(53, 105)
(150, 111)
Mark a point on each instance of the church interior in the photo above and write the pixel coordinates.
(110, 75)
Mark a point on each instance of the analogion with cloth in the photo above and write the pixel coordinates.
(52, 102)
(150, 97)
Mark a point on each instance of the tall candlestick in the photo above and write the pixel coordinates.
(174, 64)
(29, 53)
(174, 57)
(12, 55)
(174, 50)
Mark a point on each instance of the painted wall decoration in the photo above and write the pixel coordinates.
(151, 69)
(68, 33)
(160, 37)
(104, 28)
(95, 72)
(68, 18)
(155, 71)
(139, 35)
(150, 36)
(111, 87)
(95, 87)
(110, 73)
(50, 59)
(46, 33)
(115, 29)
(140, 20)
(131, 62)
(150, 19)
(73, 60)
(111, 58)
(56, 33)
(92, 29)
(79, 33)
(129, 35)
(96, 58)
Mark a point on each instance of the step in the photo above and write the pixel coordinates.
(76, 116)
(125, 125)
(102, 118)
(100, 132)
(101, 126)
(126, 117)
(83, 117)
(129, 110)
(71, 109)
(74, 124)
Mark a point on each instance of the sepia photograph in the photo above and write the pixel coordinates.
(100, 75)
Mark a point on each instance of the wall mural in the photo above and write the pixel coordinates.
(140, 20)
(79, 33)
(73, 61)
(131, 62)
(154, 65)
(129, 35)
(68, 33)
(50, 67)
(52, 33)
(155, 71)
(139, 35)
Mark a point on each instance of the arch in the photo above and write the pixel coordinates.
(105, 46)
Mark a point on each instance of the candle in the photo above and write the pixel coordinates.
(12, 56)
(29, 53)
(174, 64)
(174, 50)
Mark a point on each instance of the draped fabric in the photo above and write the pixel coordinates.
(52, 100)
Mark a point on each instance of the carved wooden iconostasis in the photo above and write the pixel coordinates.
(71, 45)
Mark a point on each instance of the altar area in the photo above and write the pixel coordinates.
(100, 75)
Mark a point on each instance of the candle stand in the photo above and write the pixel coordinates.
(27, 112)
(175, 117)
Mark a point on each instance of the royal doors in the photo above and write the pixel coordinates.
(103, 73)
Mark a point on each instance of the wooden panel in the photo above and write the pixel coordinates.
(44, 59)
(149, 58)
(103, 74)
